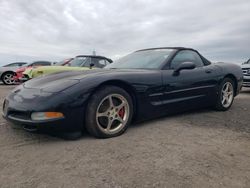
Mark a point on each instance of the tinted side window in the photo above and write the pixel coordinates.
(186, 56)
(20, 64)
(12, 65)
(99, 63)
(102, 63)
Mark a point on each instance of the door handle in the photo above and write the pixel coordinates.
(208, 70)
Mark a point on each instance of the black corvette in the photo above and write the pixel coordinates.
(142, 85)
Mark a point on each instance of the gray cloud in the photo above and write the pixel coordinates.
(35, 29)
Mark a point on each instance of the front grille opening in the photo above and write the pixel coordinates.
(20, 114)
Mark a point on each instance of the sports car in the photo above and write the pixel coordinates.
(81, 62)
(142, 85)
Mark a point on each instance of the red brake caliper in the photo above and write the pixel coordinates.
(121, 112)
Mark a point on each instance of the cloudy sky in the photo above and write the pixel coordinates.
(56, 29)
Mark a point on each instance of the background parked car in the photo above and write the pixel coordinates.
(7, 72)
(81, 62)
(19, 72)
(246, 72)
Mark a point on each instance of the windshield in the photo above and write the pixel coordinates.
(148, 59)
(63, 62)
(60, 63)
(80, 62)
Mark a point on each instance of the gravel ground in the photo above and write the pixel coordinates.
(197, 149)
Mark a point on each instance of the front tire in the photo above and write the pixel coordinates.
(226, 95)
(7, 78)
(109, 112)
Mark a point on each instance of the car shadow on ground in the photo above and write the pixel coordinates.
(2, 84)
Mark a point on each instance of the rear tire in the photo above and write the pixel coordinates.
(109, 112)
(226, 95)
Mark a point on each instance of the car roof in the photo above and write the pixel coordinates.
(96, 56)
(17, 62)
(174, 48)
(207, 62)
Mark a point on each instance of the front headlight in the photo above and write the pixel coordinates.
(37, 116)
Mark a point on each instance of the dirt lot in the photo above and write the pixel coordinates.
(196, 149)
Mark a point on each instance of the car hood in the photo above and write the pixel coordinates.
(60, 81)
(4, 69)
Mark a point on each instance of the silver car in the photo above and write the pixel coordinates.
(246, 73)
(7, 72)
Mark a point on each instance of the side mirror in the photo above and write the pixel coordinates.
(184, 66)
(91, 65)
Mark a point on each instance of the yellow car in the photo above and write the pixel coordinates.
(82, 62)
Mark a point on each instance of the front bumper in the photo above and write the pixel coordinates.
(246, 81)
(66, 124)
(18, 108)
(31, 125)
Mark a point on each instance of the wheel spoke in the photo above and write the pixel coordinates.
(223, 100)
(227, 100)
(102, 114)
(110, 122)
(111, 104)
(120, 106)
(227, 87)
(120, 119)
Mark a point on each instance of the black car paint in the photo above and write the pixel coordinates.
(154, 92)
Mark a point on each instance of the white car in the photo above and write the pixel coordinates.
(7, 72)
(246, 73)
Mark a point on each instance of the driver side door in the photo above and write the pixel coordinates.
(188, 88)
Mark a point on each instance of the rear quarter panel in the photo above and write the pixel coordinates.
(229, 69)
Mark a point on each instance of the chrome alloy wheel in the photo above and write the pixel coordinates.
(112, 113)
(8, 79)
(227, 94)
